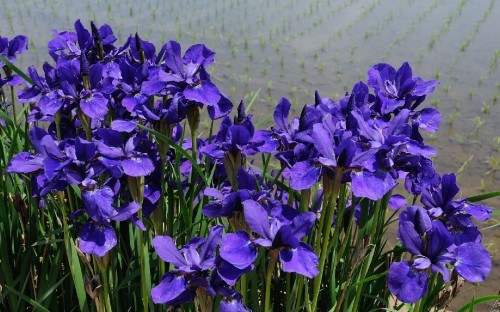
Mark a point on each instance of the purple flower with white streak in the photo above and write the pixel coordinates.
(282, 232)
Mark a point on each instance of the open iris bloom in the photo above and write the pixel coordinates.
(435, 239)
(282, 233)
(197, 268)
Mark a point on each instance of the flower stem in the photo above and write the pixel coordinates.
(273, 258)
(327, 213)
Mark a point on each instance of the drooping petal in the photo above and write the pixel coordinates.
(405, 283)
(303, 175)
(97, 239)
(229, 273)
(173, 290)
(94, 105)
(473, 262)
(479, 212)
(397, 201)
(301, 260)
(373, 185)
(237, 249)
(205, 93)
(137, 166)
(25, 162)
(99, 203)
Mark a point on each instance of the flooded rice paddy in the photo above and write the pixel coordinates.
(290, 48)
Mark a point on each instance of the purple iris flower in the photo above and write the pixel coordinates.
(433, 246)
(457, 213)
(132, 159)
(398, 89)
(9, 49)
(192, 262)
(282, 232)
(187, 75)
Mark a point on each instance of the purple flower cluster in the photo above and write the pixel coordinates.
(94, 97)
(9, 49)
(439, 234)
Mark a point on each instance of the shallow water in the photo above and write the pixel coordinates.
(291, 48)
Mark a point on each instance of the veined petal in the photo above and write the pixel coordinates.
(372, 185)
(257, 218)
(405, 283)
(97, 239)
(205, 93)
(94, 105)
(237, 249)
(473, 262)
(304, 175)
(173, 290)
(137, 166)
(301, 260)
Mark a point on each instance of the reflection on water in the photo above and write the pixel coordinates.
(291, 48)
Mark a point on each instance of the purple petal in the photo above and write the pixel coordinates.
(173, 290)
(372, 185)
(233, 305)
(479, 212)
(410, 238)
(229, 273)
(205, 93)
(257, 218)
(303, 175)
(301, 260)
(25, 162)
(99, 203)
(123, 125)
(97, 239)
(397, 201)
(237, 249)
(126, 211)
(139, 166)
(473, 262)
(428, 119)
(207, 249)
(167, 251)
(405, 283)
(94, 105)
(281, 113)
(323, 142)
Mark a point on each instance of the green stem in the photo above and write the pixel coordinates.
(102, 263)
(13, 98)
(273, 258)
(330, 209)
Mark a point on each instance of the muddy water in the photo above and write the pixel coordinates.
(291, 48)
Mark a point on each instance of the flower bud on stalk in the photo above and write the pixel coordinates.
(140, 50)
(97, 40)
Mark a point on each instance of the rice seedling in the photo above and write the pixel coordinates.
(485, 109)
(494, 163)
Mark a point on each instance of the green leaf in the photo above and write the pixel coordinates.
(51, 289)
(178, 149)
(477, 301)
(16, 70)
(477, 198)
(27, 299)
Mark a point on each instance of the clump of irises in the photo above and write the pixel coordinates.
(287, 218)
